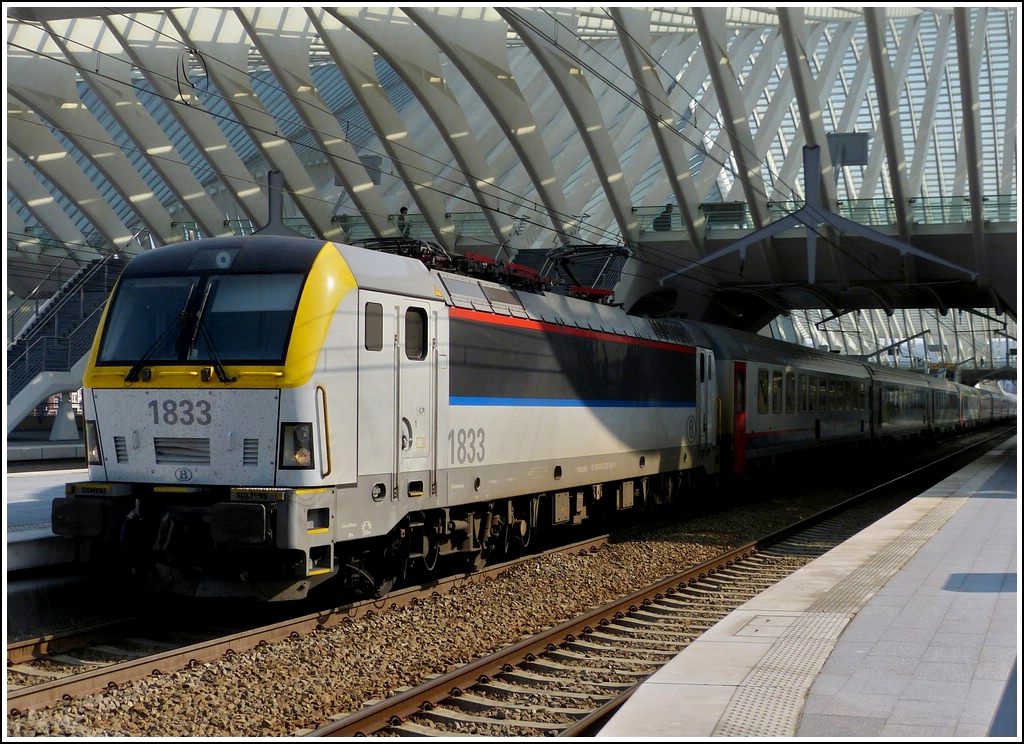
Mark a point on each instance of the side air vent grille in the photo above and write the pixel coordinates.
(251, 452)
(120, 450)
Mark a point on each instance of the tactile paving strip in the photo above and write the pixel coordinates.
(768, 702)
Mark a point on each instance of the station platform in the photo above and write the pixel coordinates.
(909, 629)
(40, 451)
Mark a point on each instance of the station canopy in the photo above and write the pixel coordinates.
(844, 177)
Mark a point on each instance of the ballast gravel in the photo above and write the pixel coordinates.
(296, 685)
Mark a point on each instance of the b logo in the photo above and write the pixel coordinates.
(183, 474)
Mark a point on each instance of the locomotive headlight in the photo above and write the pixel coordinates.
(296, 446)
(92, 444)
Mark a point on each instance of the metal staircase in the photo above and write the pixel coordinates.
(61, 333)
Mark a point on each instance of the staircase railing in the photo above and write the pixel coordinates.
(54, 341)
(49, 307)
(38, 300)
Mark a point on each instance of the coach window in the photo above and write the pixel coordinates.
(762, 391)
(812, 393)
(776, 392)
(790, 391)
(802, 387)
(374, 327)
(416, 333)
(831, 395)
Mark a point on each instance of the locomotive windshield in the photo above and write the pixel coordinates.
(199, 318)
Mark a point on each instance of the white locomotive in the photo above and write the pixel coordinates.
(266, 413)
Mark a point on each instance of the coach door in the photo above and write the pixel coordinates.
(706, 398)
(739, 423)
(397, 400)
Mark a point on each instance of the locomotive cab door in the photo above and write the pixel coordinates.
(397, 398)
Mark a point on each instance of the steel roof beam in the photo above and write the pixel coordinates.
(888, 104)
(30, 137)
(417, 61)
(563, 68)
(477, 47)
(222, 40)
(282, 35)
(143, 36)
(43, 206)
(108, 75)
(634, 30)
(926, 122)
(712, 31)
(969, 74)
(49, 88)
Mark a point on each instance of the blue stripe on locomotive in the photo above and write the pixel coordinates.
(497, 362)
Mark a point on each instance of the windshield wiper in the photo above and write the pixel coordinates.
(133, 373)
(200, 329)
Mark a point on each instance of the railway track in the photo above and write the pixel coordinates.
(44, 670)
(575, 673)
(569, 680)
